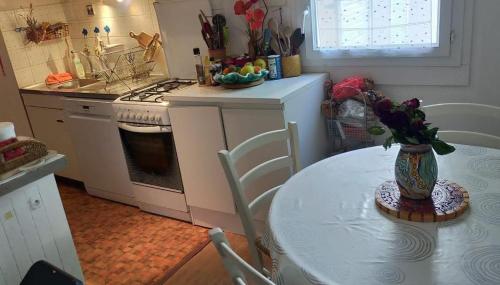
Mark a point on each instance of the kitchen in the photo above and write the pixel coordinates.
(140, 102)
(117, 135)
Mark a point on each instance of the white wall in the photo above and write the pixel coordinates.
(32, 62)
(484, 73)
(484, 68)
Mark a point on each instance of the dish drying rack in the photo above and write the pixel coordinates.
(350, 133)
(120, 65)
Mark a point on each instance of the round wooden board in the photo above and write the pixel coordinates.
(448, 201)
(243, 85)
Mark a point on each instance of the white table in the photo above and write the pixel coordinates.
(326, 229)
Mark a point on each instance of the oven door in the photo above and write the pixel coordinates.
(151, 156)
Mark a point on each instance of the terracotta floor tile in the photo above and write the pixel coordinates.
(119, 244)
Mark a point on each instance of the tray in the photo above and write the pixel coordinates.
(448, 201)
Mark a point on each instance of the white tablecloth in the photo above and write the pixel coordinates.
(326, 229)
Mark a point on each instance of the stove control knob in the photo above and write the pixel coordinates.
(157, 118)
(119, 115)
(139, 117)
(125, 116)
(148, 117)
(132, 116)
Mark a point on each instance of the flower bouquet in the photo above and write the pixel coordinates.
(416, 168)
(407, 124)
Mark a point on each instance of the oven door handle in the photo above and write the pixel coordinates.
(145, 129)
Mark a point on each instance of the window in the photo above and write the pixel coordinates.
(378, 24)
(347, 37)
(358, 28)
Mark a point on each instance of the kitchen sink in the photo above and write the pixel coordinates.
(83, 84)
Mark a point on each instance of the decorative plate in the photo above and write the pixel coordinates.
(448, 201)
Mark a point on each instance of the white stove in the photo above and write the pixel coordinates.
(147, 106)
(149, 148)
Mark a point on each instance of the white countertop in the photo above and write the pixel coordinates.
(52, 162)
(270, 92)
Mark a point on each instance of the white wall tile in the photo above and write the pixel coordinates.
(24, 77)
(36, 55)
(19, 58)
(7, 20)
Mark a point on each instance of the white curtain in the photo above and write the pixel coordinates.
(376, 24)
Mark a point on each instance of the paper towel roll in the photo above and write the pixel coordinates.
(7, 131)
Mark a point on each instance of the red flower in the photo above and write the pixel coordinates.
(239, 7)
(412, 103)
(382, 107)
(258, 14)
(255, 18)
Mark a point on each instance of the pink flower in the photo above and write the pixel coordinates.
(255, 18)
(239, 7)
(258, 14)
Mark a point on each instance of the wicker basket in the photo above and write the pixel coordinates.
(33, 150)
(347, 134)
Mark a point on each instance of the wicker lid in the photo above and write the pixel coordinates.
(7, 131)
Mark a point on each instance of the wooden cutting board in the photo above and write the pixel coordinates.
(142, 38)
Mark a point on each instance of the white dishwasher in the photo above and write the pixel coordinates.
(98, 148)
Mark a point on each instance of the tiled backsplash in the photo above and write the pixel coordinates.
(32, 62)
(122, 17)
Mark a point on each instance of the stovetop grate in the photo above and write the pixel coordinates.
(155, 92)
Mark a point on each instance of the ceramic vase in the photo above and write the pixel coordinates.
(416, 171)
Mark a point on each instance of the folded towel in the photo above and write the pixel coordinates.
(57, 78)
(11, 154)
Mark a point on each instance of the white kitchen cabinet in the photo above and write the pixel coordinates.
(47, 122)
(33, 226)
(206, 120)
(199, 135)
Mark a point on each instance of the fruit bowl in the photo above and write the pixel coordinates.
(236, 78)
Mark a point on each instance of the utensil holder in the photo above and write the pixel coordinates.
(291, 66)
(217, 53)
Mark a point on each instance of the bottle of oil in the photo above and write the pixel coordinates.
(200, 73)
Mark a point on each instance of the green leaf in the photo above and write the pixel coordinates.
(419, 113)
(376, 130)
(431, 133)
(442, 148)
(388, 142)
(412, 140)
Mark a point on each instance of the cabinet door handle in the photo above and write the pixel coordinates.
(2, 68)
(60, 121)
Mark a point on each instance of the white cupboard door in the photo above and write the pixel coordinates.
(8, 268)
(242, 124)
(33, 227)
(50, 128)
(100, 153)
(199, 135)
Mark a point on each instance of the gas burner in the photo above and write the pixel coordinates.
(154, 93)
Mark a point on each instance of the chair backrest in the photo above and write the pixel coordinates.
(465, 110)
(42, 272)
(239, 270)
(238, 184)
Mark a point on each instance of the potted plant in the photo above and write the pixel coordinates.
(255, 17)
(416, 168)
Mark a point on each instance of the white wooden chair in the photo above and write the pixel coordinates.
(234, 264)
(248, 209)
(466, 109)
